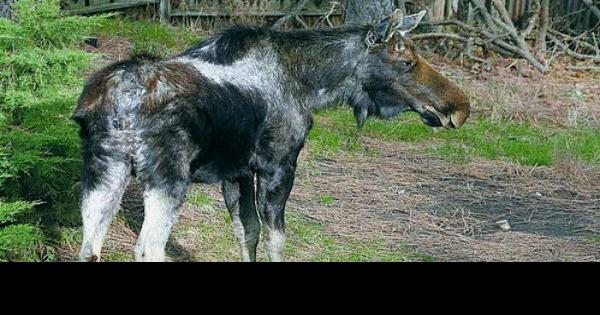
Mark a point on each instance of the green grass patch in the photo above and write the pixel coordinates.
(332, 134)
(211, 239)
(117, 256)
(335, 131)
(70, 237)
(149, 35)
(199, 198)
(326, 200)
(307, 242)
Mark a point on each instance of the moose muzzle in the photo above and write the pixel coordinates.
(445, 103)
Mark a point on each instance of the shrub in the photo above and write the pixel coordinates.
(17, 241)
(41, 70)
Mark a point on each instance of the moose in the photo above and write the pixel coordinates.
(236, 109)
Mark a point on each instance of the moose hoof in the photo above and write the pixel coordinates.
(89, 258)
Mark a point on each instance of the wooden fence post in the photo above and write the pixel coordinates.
(165, 11)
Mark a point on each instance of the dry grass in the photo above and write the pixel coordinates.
(448, 210)
(562, 97)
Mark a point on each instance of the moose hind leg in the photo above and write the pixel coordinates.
(102, 193)
(163, 167)
(161, 210)
(273, 192)
(239, 197)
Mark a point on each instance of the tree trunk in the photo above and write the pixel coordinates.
(5, 11)
(437, 10)
(540, 45)
(367, 11)
(592, 8)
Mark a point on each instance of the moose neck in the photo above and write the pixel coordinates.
(321, 65)
(313, 68)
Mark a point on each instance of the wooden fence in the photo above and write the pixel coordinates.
(574, 10)
(95, 6)
(205, 8)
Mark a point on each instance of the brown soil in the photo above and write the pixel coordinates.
(449, 210)
(433, 206)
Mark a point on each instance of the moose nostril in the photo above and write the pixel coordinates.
(431, 119)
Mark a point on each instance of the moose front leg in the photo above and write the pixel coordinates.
(273, 191)
(239, 197)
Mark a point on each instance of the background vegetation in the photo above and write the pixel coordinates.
(41, 73)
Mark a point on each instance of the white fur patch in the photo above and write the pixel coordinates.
(160, 214)
(246, 245)
(258, 71)
(275, 244)
(98, 208)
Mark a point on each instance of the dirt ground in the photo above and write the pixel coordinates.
(433, 206)
(448, 209)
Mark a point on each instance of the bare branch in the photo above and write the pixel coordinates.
(455, 37)
(487, 18)
(293, 12)
(593, 48)
(572, 53)
(533, 22)
(327, 16)
(507, 24)
(584, 68)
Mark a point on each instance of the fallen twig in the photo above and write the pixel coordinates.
(439, 35)
(584, 68)
(507, 24)
(572, 53)
(327, 16)
(577, 40)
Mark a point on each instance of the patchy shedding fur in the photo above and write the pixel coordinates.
(236, 109)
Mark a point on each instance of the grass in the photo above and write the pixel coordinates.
(308, 241)
(526, 144)
(211, 239)
(70, 237)
(199, 199)
(326, 200)
(117, 256)
(149, 35)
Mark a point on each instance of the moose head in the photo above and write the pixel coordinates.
(396, 79)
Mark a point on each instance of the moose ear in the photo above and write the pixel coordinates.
(385, 29)
(410, 22)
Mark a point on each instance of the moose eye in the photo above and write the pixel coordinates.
(406, 65)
